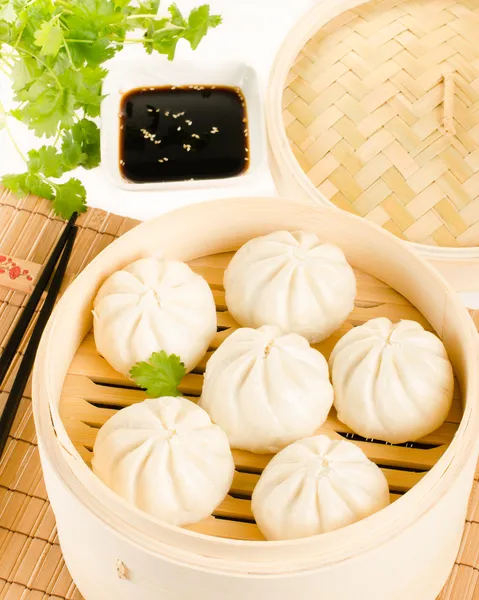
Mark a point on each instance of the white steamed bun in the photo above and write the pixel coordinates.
(292, 280)
(167, 458)
(153, 304)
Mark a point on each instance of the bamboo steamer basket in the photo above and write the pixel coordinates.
(116, 551)
(374, 108)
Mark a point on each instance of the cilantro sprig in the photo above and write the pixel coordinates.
(54, 52)
(160, 375)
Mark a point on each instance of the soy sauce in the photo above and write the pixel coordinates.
(183, 133)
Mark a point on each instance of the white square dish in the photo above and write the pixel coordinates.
(154, 71)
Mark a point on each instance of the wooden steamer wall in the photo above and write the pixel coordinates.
(114, 550)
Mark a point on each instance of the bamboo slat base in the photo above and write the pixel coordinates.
(364, 110)
(31, 564)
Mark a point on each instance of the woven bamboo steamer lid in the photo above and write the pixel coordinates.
(374, 108)
(98, 530)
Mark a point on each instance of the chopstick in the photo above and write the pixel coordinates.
(15, 339)
(64, 249)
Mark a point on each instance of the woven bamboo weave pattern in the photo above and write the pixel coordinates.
(31, 563)
(365, 108)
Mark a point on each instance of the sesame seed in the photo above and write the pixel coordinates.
(160, 160)
(214, 130)
(165, 159)
(173, 87)
(122, 162)
(245, 120)
(150, 110)
(246, 158)
(157, 141)
(188, 122)
(152, 89)
(178, 129)
(195, 135)
(167, 113)
(158, 110)
(246, 149)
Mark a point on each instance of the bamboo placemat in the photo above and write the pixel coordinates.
(31, 563)
(381, 108)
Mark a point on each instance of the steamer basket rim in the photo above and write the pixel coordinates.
(321, 14)
(58, 452)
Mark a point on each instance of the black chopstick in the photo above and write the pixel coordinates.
(13, 401)
(15, 339)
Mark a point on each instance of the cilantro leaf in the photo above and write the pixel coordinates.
(7, 11)
(176, 16)
(25, 71)
(28, 183)
(47, 161)
(72, 152)
(5, 31)
(149, 7)
(69, 198)
(166, 39)
(160, 375)
(34, 184)
(53, 107)
(198, 23)
(87, 135)
(85, 85)
(50, 39)
(81, 145)
(16, 183)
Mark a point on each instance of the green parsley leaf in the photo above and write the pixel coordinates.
(72, 153)
(87, 135)
(166, 39)
(86, 85)
(160, 375)
(25, 71)
(52, 108)
(34, 184)
(28, 183)
(5, 31)
(50, 39)
(149, 7)
(47, 161)
(176, 16)
(69, 198)
(16, 183)
(81, 145)
(198, 23)
(7, 11)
